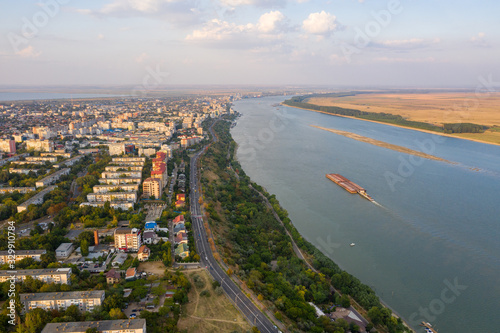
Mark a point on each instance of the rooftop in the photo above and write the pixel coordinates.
(38, 271)
(63, 295)
(104, 325)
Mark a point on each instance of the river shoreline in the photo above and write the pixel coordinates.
(400, 126)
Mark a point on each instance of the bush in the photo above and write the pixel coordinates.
(205, 293)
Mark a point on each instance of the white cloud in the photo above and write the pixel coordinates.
(269, 22)
(322, 23)
(269, 27)
(28, 52)
(219, 30)
(100, 36)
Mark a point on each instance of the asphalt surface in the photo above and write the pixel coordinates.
(252, 313)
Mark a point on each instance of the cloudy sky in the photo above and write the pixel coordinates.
(295, 42)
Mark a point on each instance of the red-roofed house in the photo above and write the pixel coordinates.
(143, 253)
(179, 219)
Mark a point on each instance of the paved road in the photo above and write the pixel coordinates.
(253, 314)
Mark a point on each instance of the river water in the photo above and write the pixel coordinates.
(430, 247)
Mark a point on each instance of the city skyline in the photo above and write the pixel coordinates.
(273, 42)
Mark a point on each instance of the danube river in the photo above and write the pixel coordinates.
(430, 248)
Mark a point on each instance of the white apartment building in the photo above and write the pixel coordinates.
(124, 168)
(121, 188)
(50, 179)
(124, 205)
(112, 196)
(104, 326)
(127, 239)
(121, 174)
(118, 181)
(37, 199)
(21, 254)
(152, 187)
(51, 159)
(48, 275)
(116, 148)
(40, 145)
(85, 300)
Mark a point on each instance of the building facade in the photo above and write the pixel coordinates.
(85, 300)
(127, 239)
(103, 326)
(48, 275)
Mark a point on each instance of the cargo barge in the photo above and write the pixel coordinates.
(347, 185)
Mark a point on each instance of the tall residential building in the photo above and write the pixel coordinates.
(85, 300)
(8, 146)
(103, 326)
(40, 145)
(127, 239)
(152, 187)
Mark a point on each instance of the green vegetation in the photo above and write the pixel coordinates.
(301, 102)
(255, 246)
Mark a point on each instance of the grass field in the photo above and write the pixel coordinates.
(209, 314)
(434, 108)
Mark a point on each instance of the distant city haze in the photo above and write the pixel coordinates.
(151, 43)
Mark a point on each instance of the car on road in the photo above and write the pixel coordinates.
(133, 316)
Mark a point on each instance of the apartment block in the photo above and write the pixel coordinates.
(152, 187)
(103, 326)
(85, 300)
(24, 190)
(119, 181)
(124, 168)
(124, 205)
(50, 159)
(37, 199)
(40, 145)
(116, 188)
(121, 174)
(112, 196)
(48, 275)
(8, 146)
(129, 160)
(116, 148)
(127, 239)
(21, 254)
(52, 178)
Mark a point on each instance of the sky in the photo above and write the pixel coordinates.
(386, 43)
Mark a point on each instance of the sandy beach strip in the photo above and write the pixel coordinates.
(383, 144)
